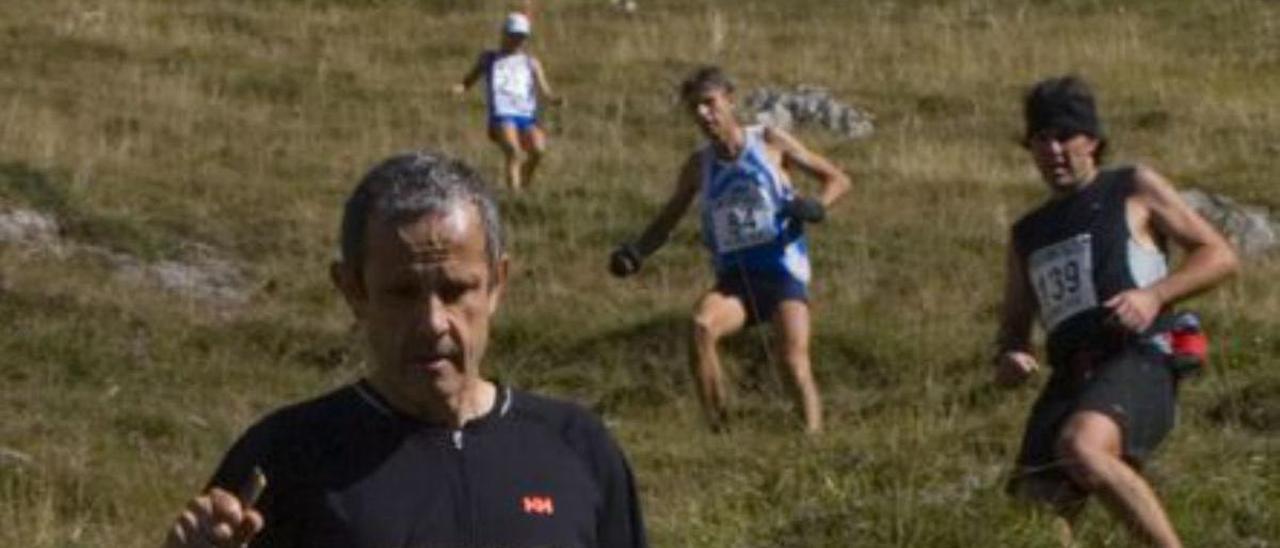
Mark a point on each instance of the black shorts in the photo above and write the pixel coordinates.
(761, 293)
(1135, 387)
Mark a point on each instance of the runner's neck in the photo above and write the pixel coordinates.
(1081, 183)
(731, 148)
(474, 401)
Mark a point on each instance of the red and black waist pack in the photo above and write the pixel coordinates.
(1182, 337)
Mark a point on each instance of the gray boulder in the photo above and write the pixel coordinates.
(26, 226)
(200, 274)
(809, 106)
(1252, 229)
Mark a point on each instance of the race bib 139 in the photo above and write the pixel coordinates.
(1062, 276)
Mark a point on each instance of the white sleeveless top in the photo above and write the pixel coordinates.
(511, 84)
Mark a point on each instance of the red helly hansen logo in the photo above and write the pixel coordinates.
(534, 504)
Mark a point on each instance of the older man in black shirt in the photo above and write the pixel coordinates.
(424, 451)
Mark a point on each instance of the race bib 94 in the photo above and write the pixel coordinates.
(1062, 276)
(742, 218)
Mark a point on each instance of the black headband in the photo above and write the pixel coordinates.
(1062, 104)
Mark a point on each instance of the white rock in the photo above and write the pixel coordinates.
(28, 226)
(1251, 228)
(202, 274)
(808, 105)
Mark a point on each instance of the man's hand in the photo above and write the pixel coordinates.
(1014, 368)
(625, 261)
(807, 210)
(458, 89)
(215, 518)
(1135, 309)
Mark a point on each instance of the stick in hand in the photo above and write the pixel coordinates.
(252, 488)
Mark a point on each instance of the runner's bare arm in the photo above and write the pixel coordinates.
(1014, 362)
(1018, 310)
(686, 190)
(1210, 258)
(544, 85)
(835, 183)
(472, 75)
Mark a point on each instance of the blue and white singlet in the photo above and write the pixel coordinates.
(510, 84)
(742, 221)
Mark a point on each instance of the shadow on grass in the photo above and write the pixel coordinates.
(637, 366)
(23, 184)
(644, 364)
(50, 193)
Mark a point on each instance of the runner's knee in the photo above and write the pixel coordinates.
(1084, 460)
(704, 329)
(507, 144)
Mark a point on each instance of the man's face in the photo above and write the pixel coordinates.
(1065, 159)
(513, 41)
(712, 110)
(426, 298)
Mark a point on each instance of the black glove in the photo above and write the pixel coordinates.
(805, 210)
(625, 261)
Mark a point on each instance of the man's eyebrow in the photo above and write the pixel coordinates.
(430, 252)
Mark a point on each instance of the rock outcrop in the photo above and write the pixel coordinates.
(1252, 229)
(809, 106)
(200, 273)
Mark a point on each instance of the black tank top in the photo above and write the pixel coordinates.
(1077, 254)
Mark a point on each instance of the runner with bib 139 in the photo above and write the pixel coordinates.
(753, 224)
(1092, 262)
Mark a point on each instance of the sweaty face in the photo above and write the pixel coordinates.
(712, 110)
(426, 301)
(1065, 161)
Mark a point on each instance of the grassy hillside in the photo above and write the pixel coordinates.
(150, 126)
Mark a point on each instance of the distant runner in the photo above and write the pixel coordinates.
(514, 79)
(753, 224)
(1092, 263)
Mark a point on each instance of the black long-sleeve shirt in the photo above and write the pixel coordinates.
(346, 470)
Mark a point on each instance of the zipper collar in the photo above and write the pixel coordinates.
(502, 404)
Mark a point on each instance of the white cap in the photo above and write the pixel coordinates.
(517, 23)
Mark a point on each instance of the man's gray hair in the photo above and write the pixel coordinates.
(405, 187)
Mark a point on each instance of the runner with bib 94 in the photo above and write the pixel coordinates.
(1091, 263)
(753, 224)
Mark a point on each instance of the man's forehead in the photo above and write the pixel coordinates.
(708, 92)
(434, 233)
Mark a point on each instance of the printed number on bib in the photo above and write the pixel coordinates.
(1062, 275)
(742, 218)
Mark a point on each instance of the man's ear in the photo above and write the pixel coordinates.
(499, 283)
(351, 285)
